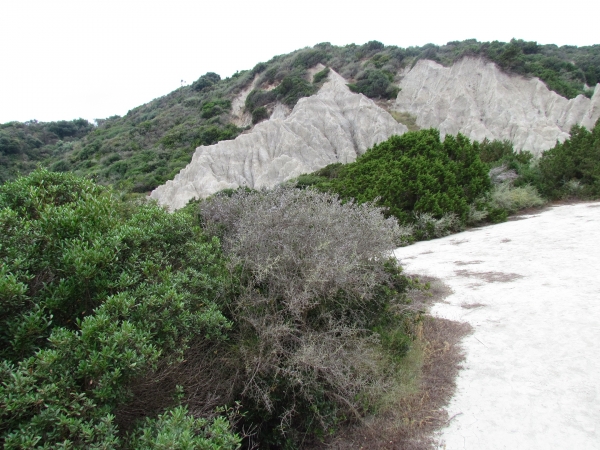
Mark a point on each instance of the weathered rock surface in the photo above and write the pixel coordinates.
(475, 98)
(335, 125)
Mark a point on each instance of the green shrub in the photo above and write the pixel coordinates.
(96, 296)
(214, 108)
(375, 83)
(416, 172)
(259, 114)
(292, 88)
(258, 98)
(205, 81)
(321, 76)
(575, 162)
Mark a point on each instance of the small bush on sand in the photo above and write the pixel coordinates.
(510, 198)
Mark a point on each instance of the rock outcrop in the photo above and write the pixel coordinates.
(335, 125)
(475, 98)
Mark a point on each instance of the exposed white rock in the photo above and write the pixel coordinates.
(477, 99)
(280, 111)
(335, 125)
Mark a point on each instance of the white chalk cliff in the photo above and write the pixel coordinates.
(335, 125)
(475, 98)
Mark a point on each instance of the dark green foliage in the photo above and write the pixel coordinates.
(94, 294)
(9, 145)
(259, 114)
(73, 128)
(321, 76)
(306, 59)
(416, 172)
(258, 98)
(375, 83)
(292, 88)
(23, 145)
(215, 108)
(573, 167)
(205, 81)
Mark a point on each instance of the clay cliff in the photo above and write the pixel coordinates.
(475, 98)
(335, 125)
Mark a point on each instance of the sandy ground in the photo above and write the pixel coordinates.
(531, 290)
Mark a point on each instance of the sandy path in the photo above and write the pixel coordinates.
(531, 290)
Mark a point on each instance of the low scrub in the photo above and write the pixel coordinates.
(507, 197)
(96, 296)
(416, 177)
(320, 313)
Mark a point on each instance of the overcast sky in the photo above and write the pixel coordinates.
(64, 59)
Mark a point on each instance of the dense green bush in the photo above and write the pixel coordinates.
(96, 295)
(259, 114)
(417, 172)
(375, 83)
(205, 81)
(258, 98)
(321, 76)
(572, 168)
(214, 108)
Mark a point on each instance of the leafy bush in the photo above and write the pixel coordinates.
(375, 83)
(292, 88)
(214, 108)
(416, 172)
(206, 81)
(259, 114)
(96, 296)
(317, 282)
(258, 98)
(321, 76)
(575, 162)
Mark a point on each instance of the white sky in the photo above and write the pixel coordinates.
(64, 59)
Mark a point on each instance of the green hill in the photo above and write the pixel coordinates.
(152, 142)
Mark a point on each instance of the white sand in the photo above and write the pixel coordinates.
(531, 379)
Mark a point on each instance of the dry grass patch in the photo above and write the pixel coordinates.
(409, 419)
(407, 119)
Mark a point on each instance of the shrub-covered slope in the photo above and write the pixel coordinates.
(154, 141)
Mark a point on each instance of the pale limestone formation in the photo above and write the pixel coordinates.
(335, 125)
(475, 98)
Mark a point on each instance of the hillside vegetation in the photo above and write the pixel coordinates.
(152, 142)
(441, 187)
(268, 318)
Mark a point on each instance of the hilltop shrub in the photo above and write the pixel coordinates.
(317, 283)
(206, 81)
(416, 172)
(95, 296)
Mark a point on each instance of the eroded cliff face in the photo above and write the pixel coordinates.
(335, 125)
(475, 98)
